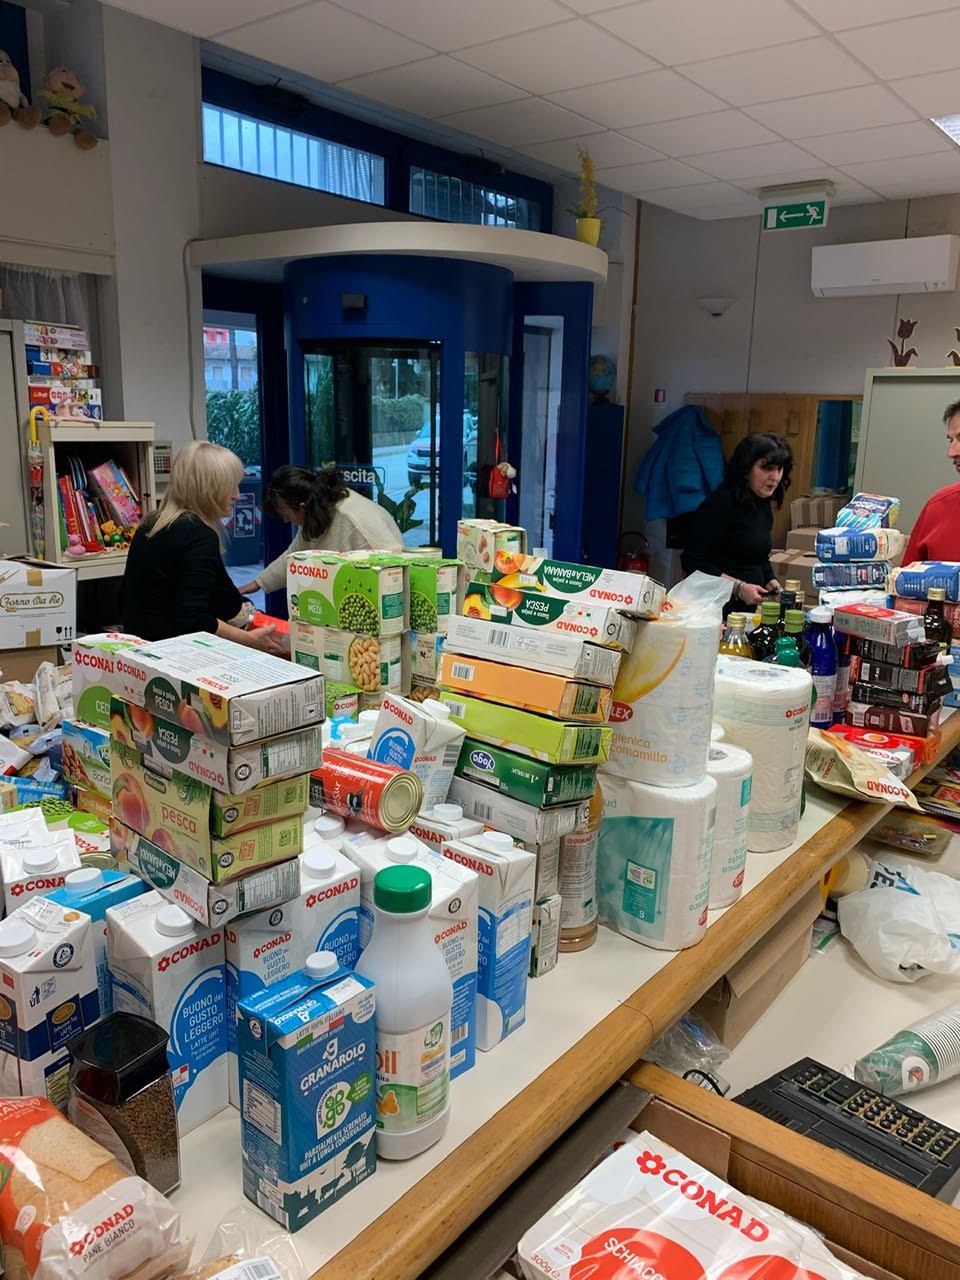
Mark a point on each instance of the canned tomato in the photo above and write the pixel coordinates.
(378, 794)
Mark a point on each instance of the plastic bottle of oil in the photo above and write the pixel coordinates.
(735, 643)
(578, 881)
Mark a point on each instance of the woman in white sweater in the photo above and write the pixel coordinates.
(330, 517)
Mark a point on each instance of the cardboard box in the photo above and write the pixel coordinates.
(21, 664)
(38, 604)
(556, 741)
(480, 541)
(633, 593)
(803, 539)
(283, 798)
(600, 624)
(534, 782)
(540, 691)
(371, 597)
(426, 650)
(562, 655)
(371, 663)
(86, 756)
(530, 825)
(94, 675)
(796, 564)
(820, 510)
(732, 1005)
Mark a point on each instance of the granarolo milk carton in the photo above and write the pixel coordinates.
(165, 966)
(454, 917)
(271, 945)
(648, 1212)
(506, 877)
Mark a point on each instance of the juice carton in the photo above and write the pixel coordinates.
(422, 738)
(86, 755)
(218, 689)
(95, 678)
(534, 782)
(208, 903)
(505, 879)
(370, 663)
(545, 935)
(529, 734)
(168, 968)
(551, 615)
(267, 802)
(32, 870)
(306, 647)
(307, 1058)
(93, 891)
(524, 822)
(562, 655)
(49, 978)
(369, 598)
(443, 823)
(167, 744)
(523, 687)
(480, 541)
(264, 948)
(632, 593)
(454, 913)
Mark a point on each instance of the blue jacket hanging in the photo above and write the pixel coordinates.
(682, 466)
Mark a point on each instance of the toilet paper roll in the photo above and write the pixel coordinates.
(653, 859)
(765, 710)
(663, 703)
(732, 770)
(717, 733)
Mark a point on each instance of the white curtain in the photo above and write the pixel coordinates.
(55, 297)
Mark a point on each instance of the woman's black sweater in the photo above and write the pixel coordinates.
(727, 535)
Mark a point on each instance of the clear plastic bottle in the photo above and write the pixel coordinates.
(764, 637)
(734, 642)
(414, 996)
(578, 881)
(823, 667)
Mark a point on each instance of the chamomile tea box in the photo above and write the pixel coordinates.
(370, 597)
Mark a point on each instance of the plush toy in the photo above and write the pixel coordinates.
(66, 112)
(13, 105)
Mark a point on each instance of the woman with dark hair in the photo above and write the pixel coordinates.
(329, 516)
(730, 533)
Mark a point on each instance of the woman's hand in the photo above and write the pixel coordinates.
(249, 588)
(773, 587)
(264, 638)
(751, 595)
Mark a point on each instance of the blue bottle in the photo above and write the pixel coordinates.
(841, 699)
(823, 667)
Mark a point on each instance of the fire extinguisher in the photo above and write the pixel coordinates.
(637, 560)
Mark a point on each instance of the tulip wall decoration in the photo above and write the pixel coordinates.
(955, 355)
(905, 331)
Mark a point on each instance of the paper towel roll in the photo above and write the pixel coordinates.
(765, 709)
(732, 769)
(663, 703)
(653, 859)
(717, 733)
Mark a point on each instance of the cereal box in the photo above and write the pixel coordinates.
(368, 598)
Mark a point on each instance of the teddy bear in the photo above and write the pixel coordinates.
(62, 94)
(13, 105)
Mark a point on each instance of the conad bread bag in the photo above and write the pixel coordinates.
(69, 1211)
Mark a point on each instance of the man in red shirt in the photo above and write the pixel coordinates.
(936, 535)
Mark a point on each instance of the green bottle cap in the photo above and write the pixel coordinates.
(402, 889)
(786, 652)
(769, 611)
(793, 620)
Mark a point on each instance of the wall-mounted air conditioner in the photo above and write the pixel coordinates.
(924, 264)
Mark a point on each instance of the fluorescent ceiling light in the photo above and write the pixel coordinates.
(950, 126)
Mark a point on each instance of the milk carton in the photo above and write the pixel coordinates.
(49, 995)
(505, 877)
(454, 915)
(269, 946)
(422, 738)
(168, 968)
(307, 1050)
(443, 823)
(93, 892)
(34, 869)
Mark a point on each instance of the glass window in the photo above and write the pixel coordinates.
(256, 146)
(485, 441)
(449, 199)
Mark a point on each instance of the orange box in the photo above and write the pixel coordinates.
(529, 690)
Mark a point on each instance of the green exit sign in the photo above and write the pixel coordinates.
(790, 217)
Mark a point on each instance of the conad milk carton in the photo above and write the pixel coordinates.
(648, 1212)
(168, 968)
(505, 879)
(443, 823)
(454, 916)
(266, 947)
(93, 892)
(38, 867)
(420, 737)
(48, 994)
(308, 1058)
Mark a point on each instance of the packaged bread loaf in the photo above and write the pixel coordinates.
(69, 1211)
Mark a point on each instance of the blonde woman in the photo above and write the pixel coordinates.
(174, 581)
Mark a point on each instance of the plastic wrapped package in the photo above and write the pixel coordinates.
(247, 1246)
(919, 1055)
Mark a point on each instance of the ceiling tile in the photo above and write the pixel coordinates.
(594, 6)
(635, 178)
(325, 42)
(657, 95)
(432, 87)
(863, 108)
(911, 47)
(447, 24)
(705, 195)
(913, 175)
(205, 17)
(772, 157)
(717, 131)
(518, 124)
(837, 15)
(885, 143)
(606, 150)
(933, 95)
(787, 71)
(676, 31)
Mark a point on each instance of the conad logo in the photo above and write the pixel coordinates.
(184, 953)
(38, 886)
(621, 711)
(278, 941)
(334, 891)
(797, 711)
(306, 570)
(79, 1247)
(726, 1211)
(481, 868)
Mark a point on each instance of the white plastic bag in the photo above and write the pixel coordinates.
(246, 1246)
(905, 923)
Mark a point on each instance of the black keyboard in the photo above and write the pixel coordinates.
(881, 1132)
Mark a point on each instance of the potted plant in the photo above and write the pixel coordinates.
(589, 225)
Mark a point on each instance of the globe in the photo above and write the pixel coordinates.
(603, 377)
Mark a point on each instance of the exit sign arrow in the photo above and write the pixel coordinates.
(792, 217)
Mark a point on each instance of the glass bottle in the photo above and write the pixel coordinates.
(578, 881)
(734, 642)
(935, 626)
(793, 630)
(788, 600)
(764, 637)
